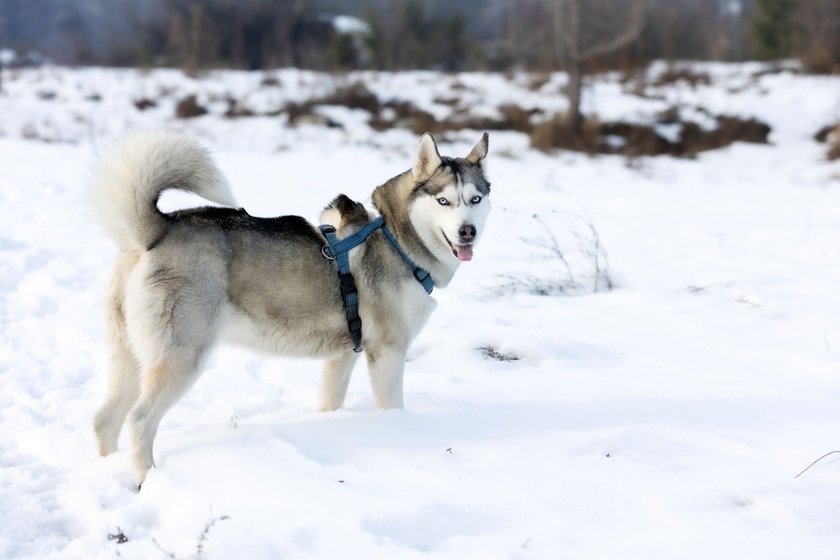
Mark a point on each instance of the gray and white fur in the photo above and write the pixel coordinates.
(184, 281)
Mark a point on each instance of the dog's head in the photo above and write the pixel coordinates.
(450, 200)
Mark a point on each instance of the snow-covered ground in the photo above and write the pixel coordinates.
(666, 418)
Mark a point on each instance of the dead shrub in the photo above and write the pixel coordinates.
(635, 140)
(694, 139)
(492, 353)
(270, 81)
(671, 115)
(687, 75)
(825, 132)
(448, 101)
(304, 114)
(515, 117)
(537, 81)
(297, 110)
(354, 96)
(556, 133)
(830, 134)
(735, 129)
(189, 107)
(819, 59)
(235, 110)
(834, 145)
(402, 114)
(144, 103)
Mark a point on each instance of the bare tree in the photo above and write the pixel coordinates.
(589, 29)
(818, 22)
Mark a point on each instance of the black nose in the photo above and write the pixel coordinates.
(467, 232)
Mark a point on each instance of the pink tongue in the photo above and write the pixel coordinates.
(463, 252)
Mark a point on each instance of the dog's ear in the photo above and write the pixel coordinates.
(479, 151)
(427, 160)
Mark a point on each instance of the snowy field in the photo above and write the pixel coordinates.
(665, 418)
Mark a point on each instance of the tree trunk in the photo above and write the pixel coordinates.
(573, 89)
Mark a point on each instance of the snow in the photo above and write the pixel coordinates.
(665, 418)
(349, 25)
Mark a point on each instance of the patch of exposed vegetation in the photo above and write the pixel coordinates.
(189, 107)
(830, 134)
(635, 139)
(493, 353)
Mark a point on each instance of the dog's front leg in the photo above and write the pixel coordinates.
(386, 376)
(334, 381)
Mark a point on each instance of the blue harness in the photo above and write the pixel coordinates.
(339, 251)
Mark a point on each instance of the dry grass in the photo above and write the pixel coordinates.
(144, 103)
(834, 145)
(635, 140)
(235, 110)
(687, 75)
(189, 107)
(556, 133)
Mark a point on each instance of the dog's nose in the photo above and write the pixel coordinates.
(467, 232)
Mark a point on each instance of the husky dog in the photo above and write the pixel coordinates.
(186, 280)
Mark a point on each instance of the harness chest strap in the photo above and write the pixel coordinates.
(339, 251)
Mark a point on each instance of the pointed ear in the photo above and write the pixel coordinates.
(427, 160)
(479, 151)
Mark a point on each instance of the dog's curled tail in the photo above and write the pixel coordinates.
(130, 179)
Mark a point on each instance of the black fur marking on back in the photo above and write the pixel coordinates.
(344, 204)
(239, 219)
(349, 210)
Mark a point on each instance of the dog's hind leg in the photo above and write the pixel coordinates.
(123, 382)
(162, 386)
(386, 376)
(334, 381)
(123, 391)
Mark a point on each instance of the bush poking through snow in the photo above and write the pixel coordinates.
(673, 75)
(834, 144)
(118, 537)
(830, 134)
(493, 353)
(556, 133)
(635, 139)
(202, 538)
(235, 110)
(571, 263)
(188, 108)
(144, 103)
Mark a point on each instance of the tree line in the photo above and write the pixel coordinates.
(585, 35)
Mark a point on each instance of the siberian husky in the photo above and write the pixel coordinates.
(186, 280)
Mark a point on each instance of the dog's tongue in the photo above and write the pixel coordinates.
(463, 252)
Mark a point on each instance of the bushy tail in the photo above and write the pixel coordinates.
(129, 181)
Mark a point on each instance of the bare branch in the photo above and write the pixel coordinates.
(630, 34)
(815, 462)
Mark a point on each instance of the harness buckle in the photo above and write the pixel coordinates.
(325, 250)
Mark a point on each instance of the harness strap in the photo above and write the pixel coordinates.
(339, 251)
(349, 294)
(421, 274)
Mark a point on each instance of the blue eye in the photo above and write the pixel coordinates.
(443, 202)
(475, 199)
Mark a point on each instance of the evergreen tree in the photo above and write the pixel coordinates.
(774, 27)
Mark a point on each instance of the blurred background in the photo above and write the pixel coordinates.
(410, 34)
